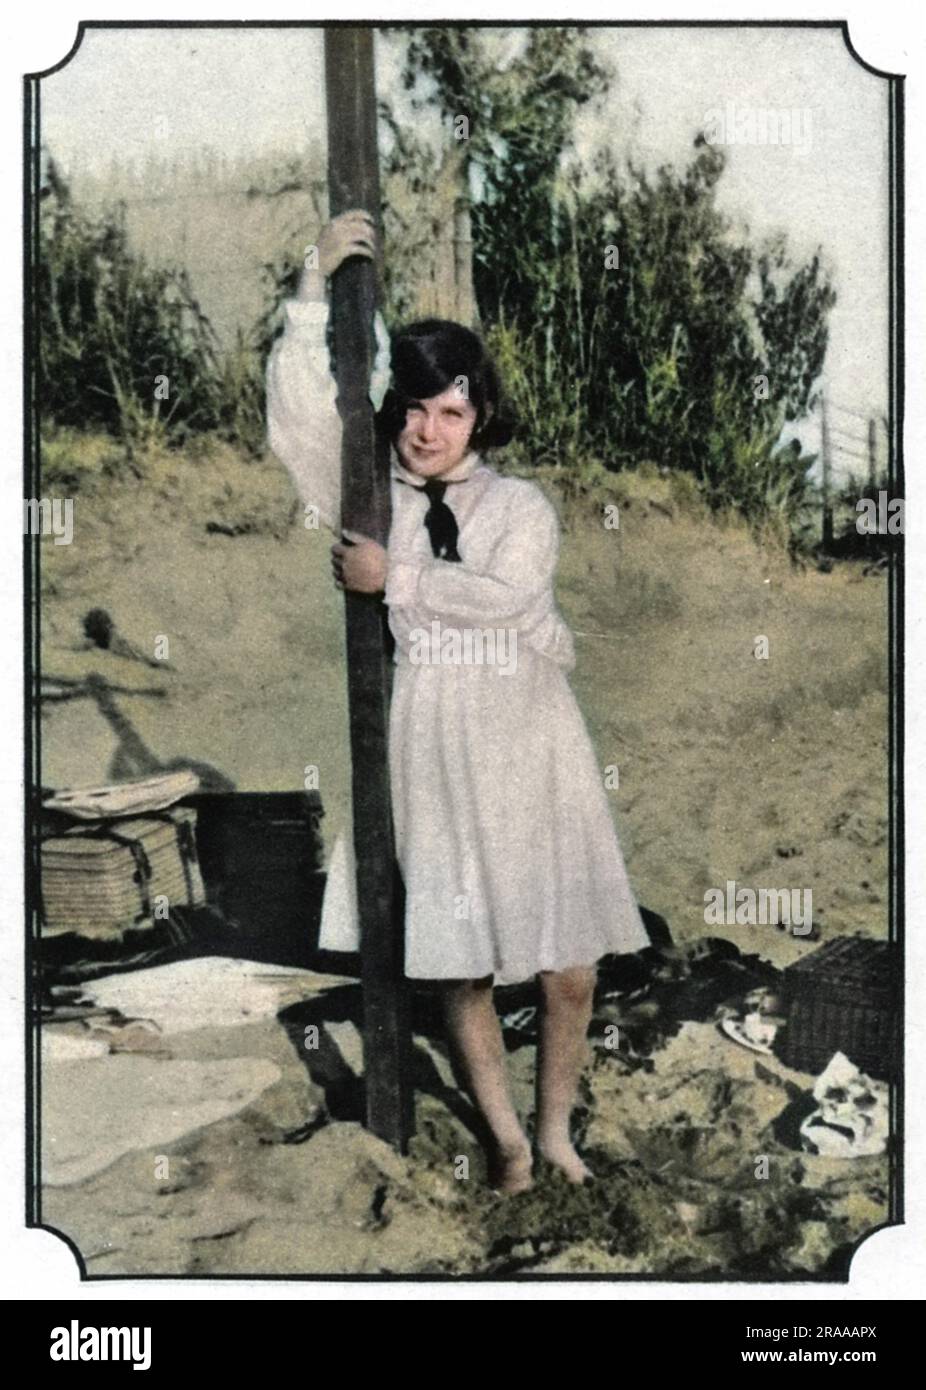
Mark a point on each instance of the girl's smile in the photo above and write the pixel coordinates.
(436, 433)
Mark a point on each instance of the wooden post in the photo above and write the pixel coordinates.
(353, 182)
(872, 459)
(827, 530)
(463, 263)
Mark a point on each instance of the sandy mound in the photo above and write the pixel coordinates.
(730, 768)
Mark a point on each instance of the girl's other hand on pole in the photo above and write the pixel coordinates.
(351, 233)
(359, 564)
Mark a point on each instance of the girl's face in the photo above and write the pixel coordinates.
(435, 436)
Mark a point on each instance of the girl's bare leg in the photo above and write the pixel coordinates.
(476, 1035)
(562, 1054)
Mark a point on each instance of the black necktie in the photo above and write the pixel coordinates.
(441, 522)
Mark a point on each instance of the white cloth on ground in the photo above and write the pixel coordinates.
(503, 831)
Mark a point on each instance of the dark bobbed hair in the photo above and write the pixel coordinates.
(427, 357)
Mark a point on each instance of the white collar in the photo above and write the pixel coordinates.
(464, 469)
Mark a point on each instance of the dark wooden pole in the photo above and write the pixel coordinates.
(353, 182)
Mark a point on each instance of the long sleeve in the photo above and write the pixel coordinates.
(303, 424)
(519, 576)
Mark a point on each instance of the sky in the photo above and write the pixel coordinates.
(128, 93)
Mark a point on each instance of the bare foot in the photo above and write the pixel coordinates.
(511, 1171)
(563, 1156)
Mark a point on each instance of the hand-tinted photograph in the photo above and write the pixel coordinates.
(463, 524)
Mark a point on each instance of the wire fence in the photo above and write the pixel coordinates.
(855, 453)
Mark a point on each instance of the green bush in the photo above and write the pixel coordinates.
(124, 346)
(630, 320)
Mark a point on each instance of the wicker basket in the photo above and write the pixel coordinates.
(843, 997)
(99, 880)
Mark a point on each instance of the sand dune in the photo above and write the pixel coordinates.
(767, 772)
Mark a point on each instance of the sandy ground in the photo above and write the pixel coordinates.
(771, 773)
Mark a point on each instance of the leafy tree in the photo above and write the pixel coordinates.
(629, 319)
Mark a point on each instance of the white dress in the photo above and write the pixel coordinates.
(503, 829)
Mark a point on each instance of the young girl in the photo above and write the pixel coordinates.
(511, 864)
